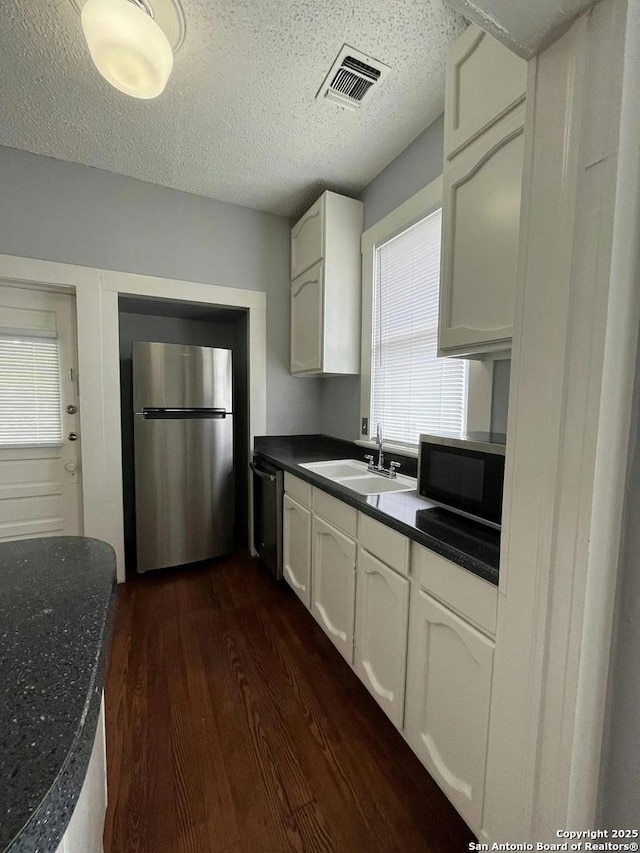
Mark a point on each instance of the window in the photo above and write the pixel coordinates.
(409, 390)
(29, 392)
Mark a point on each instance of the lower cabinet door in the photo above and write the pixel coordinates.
(382, 611)
(448, 689)
(86, 827)
(296, 567)
(334, 584)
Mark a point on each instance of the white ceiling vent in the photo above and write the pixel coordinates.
(352, 77)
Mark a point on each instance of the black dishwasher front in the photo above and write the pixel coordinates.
(268, 491)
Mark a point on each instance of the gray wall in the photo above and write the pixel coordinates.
(619, 795)
(418, 165)
(78, 215)
(230, 334)
(500, 395)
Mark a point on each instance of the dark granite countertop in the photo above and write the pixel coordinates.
(470, 545)
(57, 600)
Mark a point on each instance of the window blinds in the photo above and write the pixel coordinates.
(412, 390)
(29, 392)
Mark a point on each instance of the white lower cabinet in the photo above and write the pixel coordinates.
(333, 584)
(297, 548)
(428, 664)
(448, 689)
(86, 827)
(382, 612)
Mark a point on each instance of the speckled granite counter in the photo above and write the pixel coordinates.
(57, 599)
(470, 545)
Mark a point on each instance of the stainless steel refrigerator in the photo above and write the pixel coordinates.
(183, 440)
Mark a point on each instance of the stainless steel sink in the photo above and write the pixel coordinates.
(355, 475)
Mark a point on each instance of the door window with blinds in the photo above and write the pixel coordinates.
(30, 404)
(412, 390)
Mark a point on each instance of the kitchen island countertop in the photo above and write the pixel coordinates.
(57, 600)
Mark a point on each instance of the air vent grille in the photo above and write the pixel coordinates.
(350, 79)
(362, 67)
(350, 84)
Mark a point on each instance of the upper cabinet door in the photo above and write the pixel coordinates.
(307, 300)
(484, 81)
(480, 228)
(307, 239)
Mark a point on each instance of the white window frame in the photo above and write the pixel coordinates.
(425, 202)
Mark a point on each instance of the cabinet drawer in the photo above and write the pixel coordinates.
(307, 239)
(384, 543)
(341, 515)
(298, 489)
(466, 593)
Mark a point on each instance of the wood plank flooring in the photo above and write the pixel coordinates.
(234, 726)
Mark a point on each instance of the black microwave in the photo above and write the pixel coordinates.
(464, 474)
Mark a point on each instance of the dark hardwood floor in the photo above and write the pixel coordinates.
(234, 726)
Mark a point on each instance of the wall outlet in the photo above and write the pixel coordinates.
(365, 426)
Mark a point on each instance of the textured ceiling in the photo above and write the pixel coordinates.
(238, 120)
(521, 25)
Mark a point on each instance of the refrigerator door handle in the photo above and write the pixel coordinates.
(153, 413)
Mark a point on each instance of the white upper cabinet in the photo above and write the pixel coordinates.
(307, 239)
(307, 298)
(485, 80)
(482, 178)
(325, 289)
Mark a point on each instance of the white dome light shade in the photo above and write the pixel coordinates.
(127, 46)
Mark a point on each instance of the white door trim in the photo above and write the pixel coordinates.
(574, 356)
(99, 369)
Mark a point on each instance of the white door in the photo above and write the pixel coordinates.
(382, 611)
(448, 689)
(333, 584)
(307, 296)
(297, 548)
(40, 482)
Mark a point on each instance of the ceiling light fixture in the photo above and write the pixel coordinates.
(128, 47)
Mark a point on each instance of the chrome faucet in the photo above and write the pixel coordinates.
(379, 468)
(380, 465)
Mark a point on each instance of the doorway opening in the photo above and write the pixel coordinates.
(168, 321)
